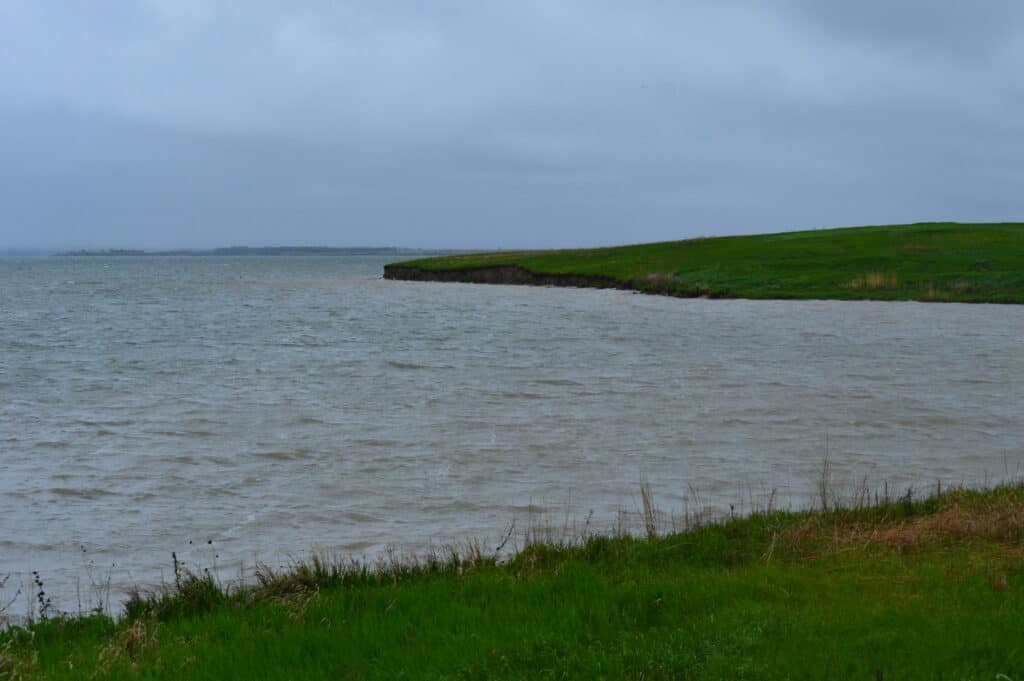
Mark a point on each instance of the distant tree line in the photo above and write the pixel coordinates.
(267, 250)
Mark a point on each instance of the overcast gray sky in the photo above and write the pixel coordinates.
(534, 123)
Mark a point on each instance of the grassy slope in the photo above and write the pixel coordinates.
(919, 591)
(930, 261)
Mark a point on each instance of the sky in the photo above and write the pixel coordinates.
(481, 124)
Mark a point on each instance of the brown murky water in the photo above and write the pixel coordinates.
(252, 409)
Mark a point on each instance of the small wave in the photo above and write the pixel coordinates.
(405, 365)
(358, 546)
(302, 341)
(357, 517)
(81, 492)
(557, 382)
(278, 455)
(527, 508)
(375, 442)
(223, 491)
(456, 505)
(736, 421)
(23, 345)
(520, 395)
(104, 424)
(944, 420)
(52, 444)
(185, 433)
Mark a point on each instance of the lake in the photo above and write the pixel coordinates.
(252, 409)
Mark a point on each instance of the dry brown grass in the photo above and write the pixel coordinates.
(1004, 526)
(667, 282)
(128, 646)
(999, 524)
(662, 279)
(650, 514)
(18, 663)
(931, 292)
(962, 286)
(875, 281)
(950, 290)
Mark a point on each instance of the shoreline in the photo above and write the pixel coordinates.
(514, 275)
(909, 587)
(924, 262)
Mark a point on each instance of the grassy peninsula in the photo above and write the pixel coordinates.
(900, 589)
(950, 262)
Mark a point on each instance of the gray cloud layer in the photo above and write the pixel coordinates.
(170, 123)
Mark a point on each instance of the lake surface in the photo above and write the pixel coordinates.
(236, 410)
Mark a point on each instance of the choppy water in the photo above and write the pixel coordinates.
(243, 409)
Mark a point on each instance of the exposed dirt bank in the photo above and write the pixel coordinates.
(504, 274)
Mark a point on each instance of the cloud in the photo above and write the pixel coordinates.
(478, 124)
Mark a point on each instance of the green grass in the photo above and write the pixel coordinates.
(927, 262)
(915, 590)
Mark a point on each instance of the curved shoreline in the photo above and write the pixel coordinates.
(516, 275)
(504, 274)
(655, 285)
(925, 262)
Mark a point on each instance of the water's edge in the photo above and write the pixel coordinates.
(505, 274)
(517, 275)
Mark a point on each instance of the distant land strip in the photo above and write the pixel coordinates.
(270, 250)
(932, 262)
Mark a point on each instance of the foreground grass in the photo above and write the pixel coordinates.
(926, 262)
(907, 590)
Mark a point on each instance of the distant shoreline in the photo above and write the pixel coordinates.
(268, 250)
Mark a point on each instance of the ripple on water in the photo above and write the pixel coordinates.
(412, 366)
(52, 444)
(283, 454)
(357, 546)
(87, 493)
(374, 442)
(301, 401)
(199, 434)
(115, 423)
(310, 421)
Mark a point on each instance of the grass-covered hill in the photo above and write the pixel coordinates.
(926, 262)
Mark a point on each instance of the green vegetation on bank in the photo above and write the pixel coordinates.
(904, 590)
(927, 262)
